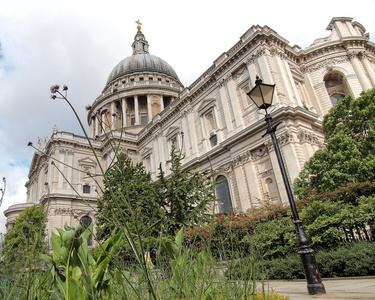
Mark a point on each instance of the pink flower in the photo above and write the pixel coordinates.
(208, 157)
(182, 132)
(207, 235)
(65, 87)
(115, 90)
(104, 110)
(231, 212)
(54, 88)
(53, 97)
(88, 107)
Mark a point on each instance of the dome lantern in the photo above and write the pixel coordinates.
(140, 45)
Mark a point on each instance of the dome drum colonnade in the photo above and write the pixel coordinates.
(138, 88)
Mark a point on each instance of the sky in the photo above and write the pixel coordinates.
(78, 43)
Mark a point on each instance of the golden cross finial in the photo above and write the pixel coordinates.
(139, 25)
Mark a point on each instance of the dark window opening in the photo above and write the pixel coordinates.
(167, 101)
(86, 189)
(213, 140)
(335, 98)
(223, 194)
(143, 120)
(85, 222)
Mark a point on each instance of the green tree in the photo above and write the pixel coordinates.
(184, 195)
(19, 240)
(128, 197)
(349, 150)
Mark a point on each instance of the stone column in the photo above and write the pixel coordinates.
(234, 102)
(149, 112)
(161, 103)
(184, 128)
(368, 68)
(191, 130)
(155, 155)
(136, 111)
(112, 116)
(92, 128)
(226, 109)
(96, 126)
(358, 71)
(123, 104)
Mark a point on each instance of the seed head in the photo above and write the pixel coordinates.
(55, 88)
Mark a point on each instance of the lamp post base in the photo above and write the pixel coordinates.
(314, 282)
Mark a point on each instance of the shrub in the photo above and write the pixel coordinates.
(354, 259)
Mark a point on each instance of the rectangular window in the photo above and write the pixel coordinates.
(143, 120)
(132, 121)
(86, 189)
(213, 140)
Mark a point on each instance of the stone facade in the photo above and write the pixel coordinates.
(145, 108)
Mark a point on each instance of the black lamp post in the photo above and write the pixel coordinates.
(262, 95)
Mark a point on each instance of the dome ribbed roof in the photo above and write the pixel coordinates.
(141, 62)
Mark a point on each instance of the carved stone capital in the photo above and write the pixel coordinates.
(327, 63)
(309, 137)
(227, 168)
(259, 152)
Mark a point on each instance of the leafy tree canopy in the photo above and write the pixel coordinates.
(19, 240)
(184, 195)
(128, 197)
(349, 153)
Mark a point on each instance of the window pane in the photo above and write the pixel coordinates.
(86, 189)
(223, 194)
(335, 98)
(213, 140)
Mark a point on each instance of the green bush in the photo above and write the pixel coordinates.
(354, 259)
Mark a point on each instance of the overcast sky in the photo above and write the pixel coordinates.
(79, 42)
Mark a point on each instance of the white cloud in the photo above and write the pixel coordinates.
(79, 42)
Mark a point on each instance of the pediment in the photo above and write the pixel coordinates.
(172, 131)
(206, 104)
(87, 162)
(146, 152)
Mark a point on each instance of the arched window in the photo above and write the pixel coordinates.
(335, 98)
(85, 222)
(223, 194)
(336, 86)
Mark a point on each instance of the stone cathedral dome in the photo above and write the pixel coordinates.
(141, 61)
